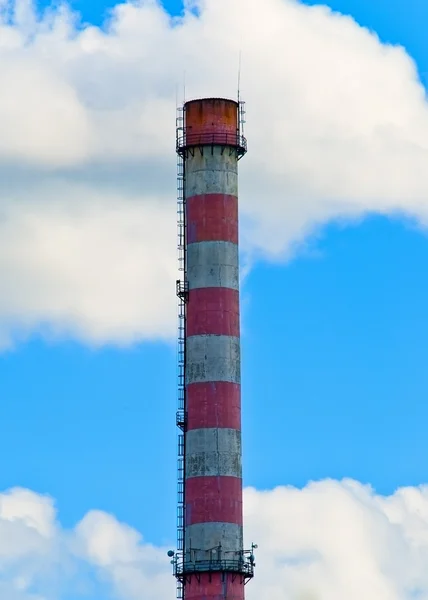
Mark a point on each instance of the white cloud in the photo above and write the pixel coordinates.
(330, 540)
(81, 264)
(39, 560)
(337, 128)
(117, 552)
(340, 540)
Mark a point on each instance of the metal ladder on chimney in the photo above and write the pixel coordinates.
(182, 293)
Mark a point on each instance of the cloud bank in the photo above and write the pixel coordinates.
(330, 540)
(337, 128)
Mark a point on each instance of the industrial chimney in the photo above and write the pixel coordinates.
(211, 563)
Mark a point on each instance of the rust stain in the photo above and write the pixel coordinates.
(211, 116)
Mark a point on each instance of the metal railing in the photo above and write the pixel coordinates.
(239, 566)
(234, 140)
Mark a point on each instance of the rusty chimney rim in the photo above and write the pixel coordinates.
(211, 99)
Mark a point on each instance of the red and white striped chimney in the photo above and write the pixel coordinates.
(213, 565)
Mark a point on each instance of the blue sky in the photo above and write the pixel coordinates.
(334, 368)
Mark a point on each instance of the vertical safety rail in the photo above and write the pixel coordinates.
(241, 120)
(182, 290)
